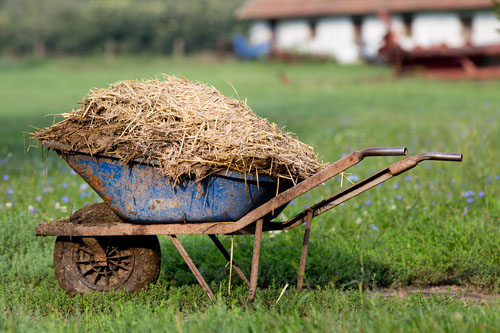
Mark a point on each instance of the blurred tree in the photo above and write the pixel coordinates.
(113, 26)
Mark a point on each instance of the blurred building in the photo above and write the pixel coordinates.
(348, 30)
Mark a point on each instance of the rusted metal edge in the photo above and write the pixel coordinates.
(64, 227)
(61, 147)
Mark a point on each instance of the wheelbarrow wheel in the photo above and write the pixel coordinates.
(84, 264)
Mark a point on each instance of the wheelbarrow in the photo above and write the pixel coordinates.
(113, 245)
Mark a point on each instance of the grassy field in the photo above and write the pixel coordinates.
(438, 224)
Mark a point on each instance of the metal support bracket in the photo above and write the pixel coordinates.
(303, 256)
(192, 266)
(254, 273)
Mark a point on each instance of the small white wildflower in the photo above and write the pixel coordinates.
(64, 209)
(393, 207)
(272, 233)
(8, 205)
(57, 205)
(365, 213)
(358, 220)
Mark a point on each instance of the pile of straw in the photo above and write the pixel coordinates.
(186, 128)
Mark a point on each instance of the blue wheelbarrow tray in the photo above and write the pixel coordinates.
(139, 193)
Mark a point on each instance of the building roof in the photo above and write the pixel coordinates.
(274, 9)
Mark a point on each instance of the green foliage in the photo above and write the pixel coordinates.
(416, 233)
(125, 26)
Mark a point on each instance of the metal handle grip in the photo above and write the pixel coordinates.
(379, 151)
(440, 157)
(410, 162)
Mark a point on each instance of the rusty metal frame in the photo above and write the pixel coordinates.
(63, 228)
(253, 222)
(243, 226)
(360, 187)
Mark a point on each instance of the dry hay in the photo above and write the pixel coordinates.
(186, 128)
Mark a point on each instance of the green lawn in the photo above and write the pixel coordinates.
(438, 224)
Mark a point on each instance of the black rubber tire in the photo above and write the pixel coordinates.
(133, 262)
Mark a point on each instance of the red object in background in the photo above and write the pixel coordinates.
(470, 61)
(482, 62)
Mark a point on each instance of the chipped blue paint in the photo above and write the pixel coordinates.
(141, 194)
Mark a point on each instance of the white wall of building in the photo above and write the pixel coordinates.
(485, 29)
(293, 35)
(335, 37)
(373, 31)
(435, 29)
(260, 33)
(400, 30)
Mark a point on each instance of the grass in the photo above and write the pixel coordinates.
(435, 225)
(185, 309)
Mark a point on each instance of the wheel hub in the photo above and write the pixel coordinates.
(100, 272)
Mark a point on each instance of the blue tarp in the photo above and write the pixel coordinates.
(245, 50)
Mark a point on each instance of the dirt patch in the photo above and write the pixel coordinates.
(450, 291)
(95, 213)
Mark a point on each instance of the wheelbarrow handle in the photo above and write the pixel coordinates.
(440, 157)
(364, 185)
(384, 151)
(411, 161)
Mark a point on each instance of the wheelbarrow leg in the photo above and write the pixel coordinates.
(226, 255)
(192, 266)
(303, 256)
(255, 260)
